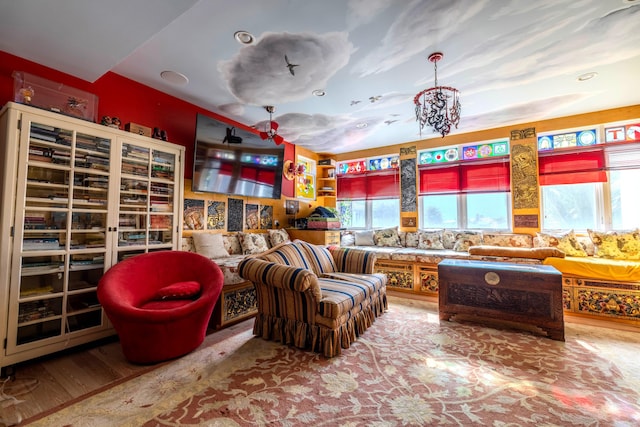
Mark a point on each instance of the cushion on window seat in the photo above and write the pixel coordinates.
(597, 268)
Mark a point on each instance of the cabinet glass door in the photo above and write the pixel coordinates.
(61, 223)
(87, 246)
(147, 211)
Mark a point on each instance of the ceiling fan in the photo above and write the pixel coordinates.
(271, 131)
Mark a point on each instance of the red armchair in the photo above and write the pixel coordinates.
(160, 303)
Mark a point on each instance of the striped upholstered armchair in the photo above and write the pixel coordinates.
(313, 297)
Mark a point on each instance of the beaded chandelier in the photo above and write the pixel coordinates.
(438, 106)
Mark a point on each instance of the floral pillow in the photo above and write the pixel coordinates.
(465, 239)
(347, 239)
(278, 236)
(510, 240)
(412, 239)
(232, 244)
(616, 244)
(566, 241)
(387, 237)
(252, 243)
(430, 239)
(449, 238)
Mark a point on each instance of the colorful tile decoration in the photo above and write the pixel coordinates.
(628, 133)
(234, 214)
(266, 217)
(354, 166)
(383, 163)
(193, 217)
(442, 155)
(215, 215)
(566, 140)
(251, 220)
(480, 151)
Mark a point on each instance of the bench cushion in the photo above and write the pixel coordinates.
(597, 268)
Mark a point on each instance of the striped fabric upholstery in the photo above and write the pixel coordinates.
(339, 297)
(323, 312)
(321, 260)
(370, 283)
(356, 261)
(288, 254)
(279, 276)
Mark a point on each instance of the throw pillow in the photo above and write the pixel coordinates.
(210, 245)
(278, 236)
(616, 244)
(232, 244)
(510, 240)
(387, 237)
(252, 243)
(412, 239)
(566, 241)
(465, 239)
(430, 239)
(364, 238)
(178, 290)
(347, 239)
(449, 238)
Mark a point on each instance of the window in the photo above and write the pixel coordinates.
(439, 211)
(570, 206)
(472, 194)
(379, 213)
(591, 189)
(488, 211)
(625, 203)
(368, 193)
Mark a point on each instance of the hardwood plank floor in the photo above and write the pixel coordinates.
(47, 382)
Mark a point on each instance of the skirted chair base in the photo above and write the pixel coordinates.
(318, 337)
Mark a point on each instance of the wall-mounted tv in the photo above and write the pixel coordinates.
(235, 162)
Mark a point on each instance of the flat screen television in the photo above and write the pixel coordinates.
(235, 162)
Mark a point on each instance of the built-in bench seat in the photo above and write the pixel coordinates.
(595, 284)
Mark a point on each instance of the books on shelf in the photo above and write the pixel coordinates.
(40, 244)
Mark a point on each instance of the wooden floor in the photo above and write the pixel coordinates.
(58, 379)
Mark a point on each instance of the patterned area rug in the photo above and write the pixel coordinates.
(407, 369)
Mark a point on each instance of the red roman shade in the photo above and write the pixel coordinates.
(572, 168)
(369, 185)
(474, 177)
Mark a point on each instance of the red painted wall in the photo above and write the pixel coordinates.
(131, 102)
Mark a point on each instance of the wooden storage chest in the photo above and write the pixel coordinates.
(526, 294)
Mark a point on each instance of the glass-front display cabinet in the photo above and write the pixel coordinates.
(77, 198)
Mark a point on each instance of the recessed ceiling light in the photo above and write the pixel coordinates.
(586, 76)
(362, 125)
(629, 1)
(174, 77)
(243, 37)
(319, 92)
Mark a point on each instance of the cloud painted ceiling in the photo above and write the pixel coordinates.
(513, 61)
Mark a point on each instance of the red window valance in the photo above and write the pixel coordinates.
(369, 185)
(474, 177)
(577, 167)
